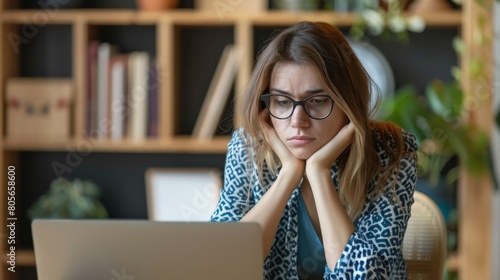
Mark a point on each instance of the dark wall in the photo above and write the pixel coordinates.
(120, 176)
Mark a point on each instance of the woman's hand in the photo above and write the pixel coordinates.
(336, 226)
(288, 160)
(326, 155)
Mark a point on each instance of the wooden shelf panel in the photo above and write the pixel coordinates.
(451, 18)
(196, 18)
(180, 144)
(98, 16)
(441, 19)
(24, 257)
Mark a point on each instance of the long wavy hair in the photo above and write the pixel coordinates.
(324, 47)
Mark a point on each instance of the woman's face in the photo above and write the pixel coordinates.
(302, 134)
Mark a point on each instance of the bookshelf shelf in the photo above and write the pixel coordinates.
(195, 18)
(179, 144)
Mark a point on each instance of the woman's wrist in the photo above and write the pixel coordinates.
(293, 171)
(316, 168)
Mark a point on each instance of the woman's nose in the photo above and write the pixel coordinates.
(300, 118)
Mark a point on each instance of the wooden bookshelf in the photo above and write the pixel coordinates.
(166, 23)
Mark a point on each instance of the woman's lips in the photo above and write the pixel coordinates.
(300, 140)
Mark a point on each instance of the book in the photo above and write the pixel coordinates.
(118, 104)
(91, 106)
(217, 95)
(153, 89)
(103, 89)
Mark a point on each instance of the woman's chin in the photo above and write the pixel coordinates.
(303, 155)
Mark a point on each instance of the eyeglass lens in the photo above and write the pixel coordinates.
(282, 106)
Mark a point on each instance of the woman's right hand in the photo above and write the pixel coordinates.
(288, 160)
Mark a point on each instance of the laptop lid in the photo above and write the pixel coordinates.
(139, 249)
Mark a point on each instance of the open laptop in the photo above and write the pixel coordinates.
(149, 250)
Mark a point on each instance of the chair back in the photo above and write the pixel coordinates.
(424, 244)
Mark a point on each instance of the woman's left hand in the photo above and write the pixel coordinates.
(326, 155)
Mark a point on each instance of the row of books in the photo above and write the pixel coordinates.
(123, 90)
(122, 93)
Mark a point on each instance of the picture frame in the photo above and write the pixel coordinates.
(182, 194)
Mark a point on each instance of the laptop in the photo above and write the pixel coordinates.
(146, 250)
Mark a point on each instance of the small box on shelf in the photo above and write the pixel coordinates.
(38, 109)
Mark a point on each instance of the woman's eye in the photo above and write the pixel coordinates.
(283, 102)
(317, 101)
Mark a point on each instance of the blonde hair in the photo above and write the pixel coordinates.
(323, 46)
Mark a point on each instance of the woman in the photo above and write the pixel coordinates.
(331, 188)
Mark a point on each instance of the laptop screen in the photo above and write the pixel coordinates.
(139, 249)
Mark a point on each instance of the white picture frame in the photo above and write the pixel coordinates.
(182, 194)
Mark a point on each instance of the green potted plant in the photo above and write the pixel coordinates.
(69, 200)
(438, 122)
(446, 142)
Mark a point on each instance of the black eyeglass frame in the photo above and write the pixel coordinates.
(267, 96)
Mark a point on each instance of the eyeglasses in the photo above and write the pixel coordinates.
(282, 107)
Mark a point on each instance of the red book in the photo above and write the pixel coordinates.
(91, 106)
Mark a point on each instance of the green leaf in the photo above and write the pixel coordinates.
(90, 189)
(456, 72)
(476, 67)
(100, 212)
(423, 164)
(405, 110)
(458, 45)
(452, 176)
(435, 93)
(445, 99)
(437, 163)
(75, 211)
(481, 3)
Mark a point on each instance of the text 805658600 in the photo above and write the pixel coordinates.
(11, 218)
